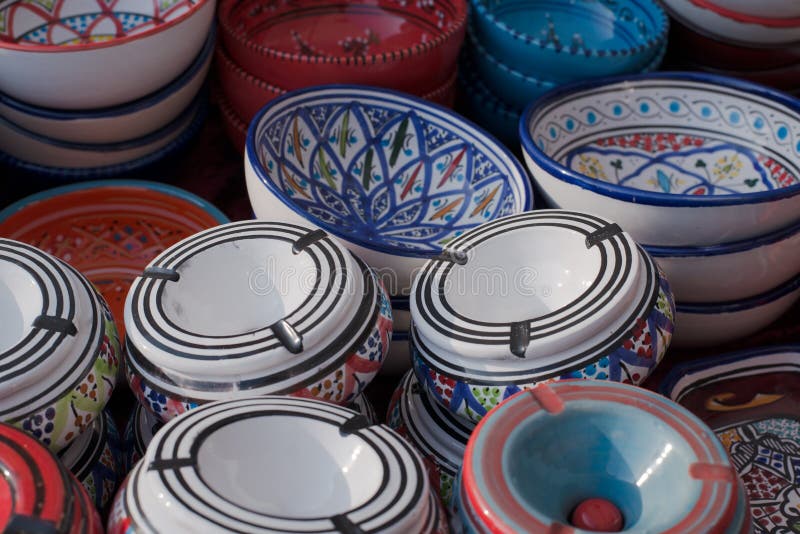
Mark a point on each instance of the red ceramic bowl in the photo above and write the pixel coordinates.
(406, 45)
(783, 78)
(235, 127)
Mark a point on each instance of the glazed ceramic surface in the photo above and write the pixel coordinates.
(234, 125)
(95, 458)
(652, 150)
(660, 465)
(393, 176)
(65, 40)
(330, 471)
(571, 40)
(109, 231)
(774, 9)
(407, 46)
(708, 324)
(750, 401)
(540, 296)
(252, 308)
(58, 346)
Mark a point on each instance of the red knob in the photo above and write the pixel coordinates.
(597, 515)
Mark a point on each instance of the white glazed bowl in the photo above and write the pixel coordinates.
(774, 9)
(704, 325)
(677, 159)
(119, 123)
(105, 72)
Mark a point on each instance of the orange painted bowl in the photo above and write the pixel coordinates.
(108, 230)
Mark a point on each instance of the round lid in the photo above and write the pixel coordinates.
(328, 471)
(531, 293)
(652, 459)
(51, 329)
(247, 305)
(81, 456)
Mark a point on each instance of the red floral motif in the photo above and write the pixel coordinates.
(779, 174)
(653, 143)
(443, 385)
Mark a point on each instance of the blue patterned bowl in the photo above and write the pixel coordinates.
(648, 151)
(393, 176)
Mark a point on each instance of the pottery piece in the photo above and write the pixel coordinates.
(58, 346)
(235, 126)
(651, 150)
(773, 9)
(391, 175)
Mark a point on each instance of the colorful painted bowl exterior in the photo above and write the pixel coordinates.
(39, 493)
(253, 308)
(95, 458)
(750, 401)
(437, 435)
(109, 231)
(673, 478)
(652, 149)
(571, 40)
(58, 345)
(410, 47)
(391, 175)
(382, 488)
(64, 39)
(576, 298)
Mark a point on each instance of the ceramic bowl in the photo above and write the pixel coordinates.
(541, 296)
(329, 471)
(58, 346)
(67, 40)
(730, 271)
(410, 47)
(235, 127)
(435, 433)
(783, 78)
(709, 324)
(39, 493)
(655, 462)
(773, 9)
(393, 176)
(116, 124)
(651, 150)
(95, 458)
(254, 308)
(571, 40)
(108, 230)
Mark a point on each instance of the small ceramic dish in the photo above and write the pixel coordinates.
(571, 40)
(59, 348)
(329, 471)
(410, 46)
(66, 40)
(730, 271)
(393, 176)
(708, 324)
(651, 150)
(750, 400)
(95, 458)
(674, 478)
(124, 122)
(108, 230)
(438, 435)
(39, 493)
(254, 308)
(541, 296)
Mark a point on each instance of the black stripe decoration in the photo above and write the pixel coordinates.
(161, 273)
(353, 425)
(343, 524)
(452, 256)
(168, 464)
(520, 338)
(288, 336)
(307, 240)
(26, 524)
(55, 324)
(606, 232)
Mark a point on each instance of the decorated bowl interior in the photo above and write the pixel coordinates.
(383, 170)
(670, 139)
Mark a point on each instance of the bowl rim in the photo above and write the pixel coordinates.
(225, 62)
(744, 18)
(750, 303)
(49, 49)
(224, 17)
(414, 102)
(638, 196)
(481, 10)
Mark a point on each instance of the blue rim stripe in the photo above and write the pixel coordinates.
(743, 304)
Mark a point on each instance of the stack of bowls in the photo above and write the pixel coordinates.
(519, 49)
(270, 49)
(394, 177)
(756, 41)
(704, 170)
(92, 91)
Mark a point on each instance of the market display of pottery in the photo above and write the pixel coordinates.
(399, 266)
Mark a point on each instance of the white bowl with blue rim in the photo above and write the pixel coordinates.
(123, 122)
(730, 271)
(393, 176)
(571, 40)
(79, 54)
(677, 159)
